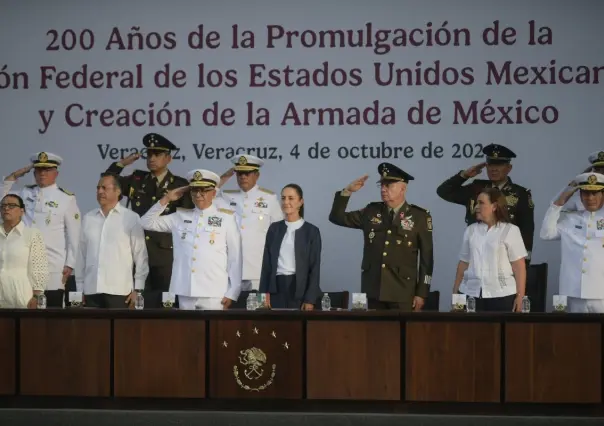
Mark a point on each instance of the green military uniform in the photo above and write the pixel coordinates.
(518, 198)
(142, 191)
(392, 247)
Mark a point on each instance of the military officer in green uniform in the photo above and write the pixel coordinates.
(397, 234)
(143, 188)
(519, 200)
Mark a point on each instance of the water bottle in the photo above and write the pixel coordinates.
(139, 302)
(326, 302)
(526, 305)
(251, 302)
(41, 301)
(471, 304)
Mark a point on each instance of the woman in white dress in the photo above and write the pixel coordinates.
(23, 261)
(491, 265)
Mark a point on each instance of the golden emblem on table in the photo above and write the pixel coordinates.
(254, 372)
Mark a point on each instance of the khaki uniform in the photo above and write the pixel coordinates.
(391, 251)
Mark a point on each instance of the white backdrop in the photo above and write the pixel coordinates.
(566, 126)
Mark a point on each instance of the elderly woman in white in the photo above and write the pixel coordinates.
(23, 262)
(491, 262)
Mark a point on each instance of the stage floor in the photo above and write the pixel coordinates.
(111, 412)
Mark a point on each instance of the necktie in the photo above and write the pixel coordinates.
(391, 216)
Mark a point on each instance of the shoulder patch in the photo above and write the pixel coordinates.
(531, 203)
(420, 208)
(227, 211)
(66, 191)
(231, 191)
(266, 191)
(31, 186)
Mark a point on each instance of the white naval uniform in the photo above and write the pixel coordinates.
(207, 254)
(56, 214)
(255, 210)
(582, 250)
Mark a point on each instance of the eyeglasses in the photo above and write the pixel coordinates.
(201, 191)
(9, 206)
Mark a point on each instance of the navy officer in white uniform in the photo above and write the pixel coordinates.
(256, 208)
(54, 211)
(596, 159)
(582, 243)
(206, 273)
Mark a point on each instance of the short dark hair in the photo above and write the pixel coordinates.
(300, 193)
(116, 182)
(19, 200)
(501, 209)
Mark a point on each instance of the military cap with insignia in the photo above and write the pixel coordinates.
(247, 163)
(391, 173)
(46, 160)
(156, 142)
(597, 158)
(201, 178)
(498, 154)
(590, 181)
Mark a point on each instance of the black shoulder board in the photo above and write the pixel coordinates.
(31, 186)
(420, 208)
(376, 206)
(66, 191)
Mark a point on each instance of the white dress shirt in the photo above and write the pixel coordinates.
(55, 213)
(255, 211)
(489, 253)
(286, 263)
(207, 250)
(109, 249)
(23, 265)
(582, 250)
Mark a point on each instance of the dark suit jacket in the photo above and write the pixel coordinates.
(307, 247)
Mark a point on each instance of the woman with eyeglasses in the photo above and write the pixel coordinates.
(23, 262)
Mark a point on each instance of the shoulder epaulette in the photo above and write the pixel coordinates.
(66, 191)
(267, 191)
(227, 211)
(31, 186)
(231, 191)
(374, 205)
(420, 208)
(183, 209)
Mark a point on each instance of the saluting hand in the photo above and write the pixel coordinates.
(130, 159)
(357, 184)
(565, 196)
(175, 194)
(473, 171)
(18, 173)
(226, 176)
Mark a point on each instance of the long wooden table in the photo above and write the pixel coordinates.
(374, 355)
